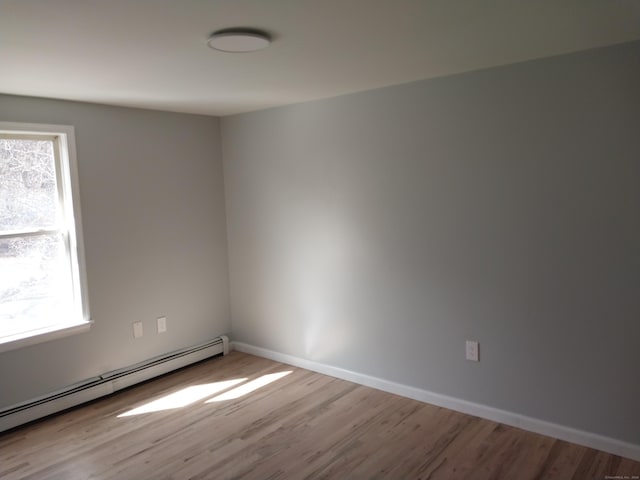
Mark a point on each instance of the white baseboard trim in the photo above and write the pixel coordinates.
(580, 437)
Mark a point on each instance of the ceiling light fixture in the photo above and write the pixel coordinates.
(239, 40)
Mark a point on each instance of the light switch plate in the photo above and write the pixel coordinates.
(162, 324)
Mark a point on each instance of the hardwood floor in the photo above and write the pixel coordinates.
(301, 426)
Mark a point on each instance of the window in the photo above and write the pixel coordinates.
(42, 278)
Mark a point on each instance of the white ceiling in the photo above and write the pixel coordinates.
(153, 53)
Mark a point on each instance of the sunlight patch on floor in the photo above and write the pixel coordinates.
(249, 387)
(183, 397)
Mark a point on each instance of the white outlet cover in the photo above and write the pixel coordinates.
(162, 324)
(473, 351)
(137, 330)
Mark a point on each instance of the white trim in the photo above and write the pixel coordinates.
(76, 240)
(24, 339)
(580, 437)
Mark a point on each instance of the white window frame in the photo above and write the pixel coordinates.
(71, 225)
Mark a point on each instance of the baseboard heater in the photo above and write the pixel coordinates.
(108, 383)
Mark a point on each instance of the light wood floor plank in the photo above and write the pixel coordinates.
(302, 426)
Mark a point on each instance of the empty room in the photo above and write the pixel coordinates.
(319, 239)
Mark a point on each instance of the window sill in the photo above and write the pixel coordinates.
(26, 339)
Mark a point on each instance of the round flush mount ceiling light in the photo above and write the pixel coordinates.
(237, 40)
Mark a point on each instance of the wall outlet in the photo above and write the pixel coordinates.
(162, 324)
(137, 330)
(473, 351)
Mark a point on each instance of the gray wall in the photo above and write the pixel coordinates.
(152, 202)
(377, 231)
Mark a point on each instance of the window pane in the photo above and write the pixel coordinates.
(35, 283)
(28, 194)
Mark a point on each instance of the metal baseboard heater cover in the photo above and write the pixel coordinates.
(108, 383)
